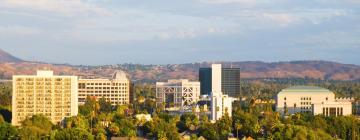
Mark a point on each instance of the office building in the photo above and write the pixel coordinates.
(220, 103)
(310, 99)
(230, 81)
(177, 94)
(115, 90)
(54, 96)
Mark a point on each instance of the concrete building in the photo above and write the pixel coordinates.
(220, 103)
(115, 90)
(310, 99)
(54, 96)
(230, 81)
(177, 93)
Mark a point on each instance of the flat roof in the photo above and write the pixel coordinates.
(306, 89)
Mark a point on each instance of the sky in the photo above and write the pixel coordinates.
(97, 32)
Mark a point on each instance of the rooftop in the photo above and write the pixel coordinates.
(119, 75)
(305, 89)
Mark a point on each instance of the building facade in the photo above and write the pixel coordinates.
(177, 93)
(221, 104)
(54, 96)
(116, 90)
(230, 81)
(310, 99)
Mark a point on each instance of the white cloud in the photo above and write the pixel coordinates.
(247, 2)
(281, 19)
(63, 7)
(18, 30)
(331, 39)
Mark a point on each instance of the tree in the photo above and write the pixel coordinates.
(5, 94)
(188, 121)
(224, 126)
(1, 119)
(127, 127)
(90, 108)
(237, 127)
(114, 129)
(163, 126)
(72, 134)
(76, 122)
(7, 131)
(209, 131)
(105, 106)
(36, 127)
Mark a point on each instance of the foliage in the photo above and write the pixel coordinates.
(163, 126)
(7, 131)
(72, 134)
(5, 94)
(36, 127)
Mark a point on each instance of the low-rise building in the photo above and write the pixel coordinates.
(115, 90)
(177, 93)
(311, 99)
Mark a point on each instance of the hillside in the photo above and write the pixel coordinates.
(7, 58)
(325, 70)
(296, 69)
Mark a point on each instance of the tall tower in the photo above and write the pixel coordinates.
(230, 80)
(220, 104)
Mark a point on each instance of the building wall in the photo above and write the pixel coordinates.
(230, 81)
(117, 92)
(205, 80)
(301, 101)
(314, 100)
(177, 92)
(333, 109)
(44, 93)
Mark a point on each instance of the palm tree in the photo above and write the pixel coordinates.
(238, 126)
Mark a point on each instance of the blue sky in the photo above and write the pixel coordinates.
(96, 32)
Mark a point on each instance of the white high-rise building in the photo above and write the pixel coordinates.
(54, 96)
(220, 103)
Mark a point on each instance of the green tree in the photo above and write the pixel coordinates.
(7, 131)
(105, 106)
(127, 127)
(224, 126)
(209, 131)
(36, 127)
(76, 122)
(72, 134)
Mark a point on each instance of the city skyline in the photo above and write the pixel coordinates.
(113, 32)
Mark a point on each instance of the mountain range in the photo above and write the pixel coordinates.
(6, 57)
(324, 70)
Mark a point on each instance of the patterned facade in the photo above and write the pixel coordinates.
(177, 93)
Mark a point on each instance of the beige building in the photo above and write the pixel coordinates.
(115, 90)
(311, 99)
(51, 95)
(177, 93)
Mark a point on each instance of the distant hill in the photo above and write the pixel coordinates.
(323, 70)
(150, 73)
(6, 57)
